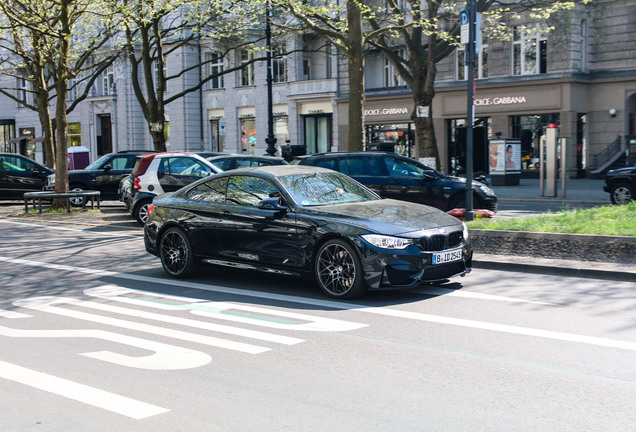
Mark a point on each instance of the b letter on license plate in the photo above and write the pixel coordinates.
(447, 256)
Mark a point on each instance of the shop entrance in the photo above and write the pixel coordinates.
(317, 133)
(530, 129)
(456, 133)
(397, 138)
(104, 135)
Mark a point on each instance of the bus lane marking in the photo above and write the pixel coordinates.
(79, 392)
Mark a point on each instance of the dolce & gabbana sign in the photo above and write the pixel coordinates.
(505, 100)
(386, 111)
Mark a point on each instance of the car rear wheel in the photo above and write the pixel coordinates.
(175, 252)
(621, 193)
(141, 211)
(79, 201)
(338, 270)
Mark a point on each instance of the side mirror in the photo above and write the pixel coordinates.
(275, 204)
(107, 167)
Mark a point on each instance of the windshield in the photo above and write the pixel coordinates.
(95, 165)
(325, 188)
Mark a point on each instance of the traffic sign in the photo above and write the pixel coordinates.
(463, 19)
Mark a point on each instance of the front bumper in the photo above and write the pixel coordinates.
(410, 267)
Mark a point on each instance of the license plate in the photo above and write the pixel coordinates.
(447, 256)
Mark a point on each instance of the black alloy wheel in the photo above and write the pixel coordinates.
(621, 193)
(338, 270)
(141, 211)
(175, 252)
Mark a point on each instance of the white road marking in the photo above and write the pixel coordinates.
(12, 314)
(631, 346)
(164, 357)
(79, 392)
(474, 295)
(224, 310)
(45, 304)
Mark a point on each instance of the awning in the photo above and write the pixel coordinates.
(20, 138)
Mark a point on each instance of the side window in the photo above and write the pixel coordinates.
(186, 166)
(211, 191)
(362, 166)
(249, 191)
(329, 163)
(224, 164)
(121, 162)
(16, 165)
(402, 168)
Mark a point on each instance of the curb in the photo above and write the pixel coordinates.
(613, 275)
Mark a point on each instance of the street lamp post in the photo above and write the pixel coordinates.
(271, 139)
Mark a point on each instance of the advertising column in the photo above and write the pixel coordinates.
(504, 159)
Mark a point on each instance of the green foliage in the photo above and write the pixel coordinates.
(605, 220)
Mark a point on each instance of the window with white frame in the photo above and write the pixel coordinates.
(156, 73)
(23, 91)
(215, 69)
(279, 65)
(392, 77)
(73, 89)
(246, 76)
(108, 81)
(481, 62)
(529, 51)
(388, 6)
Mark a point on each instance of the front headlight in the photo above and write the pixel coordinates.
(387, 242)
(485, 189)
(51, 179)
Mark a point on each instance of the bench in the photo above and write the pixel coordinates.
(38, 197)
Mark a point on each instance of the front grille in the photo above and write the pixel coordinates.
(438, 242)
(444, 271)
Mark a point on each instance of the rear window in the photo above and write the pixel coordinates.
(361, 166)
(329, 163)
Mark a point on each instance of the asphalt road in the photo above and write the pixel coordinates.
(94, 337)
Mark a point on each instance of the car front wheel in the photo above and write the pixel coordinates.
(338, 270)
(79, 201)
(176, 255)
(621, 193)
(141, 211)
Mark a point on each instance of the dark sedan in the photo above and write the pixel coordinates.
(103, 175)
(19, 174)
(399, 177)
(306, 221)
(621, 185)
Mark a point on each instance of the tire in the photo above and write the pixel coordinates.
(176, 254)
(77, 202)
(622, 193)
(338, 270)
(140, 213)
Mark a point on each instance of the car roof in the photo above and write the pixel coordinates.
(280, 170)
(348, 153)
(237, 156)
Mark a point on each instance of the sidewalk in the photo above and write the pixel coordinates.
(576, 191)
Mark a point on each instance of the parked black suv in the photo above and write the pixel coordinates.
(399, 177)
(621, 185)
(19, 174)
(102, 175)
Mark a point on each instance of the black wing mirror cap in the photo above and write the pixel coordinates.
(275, 204)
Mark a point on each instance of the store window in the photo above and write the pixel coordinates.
(248, 135)
(215, 69)
(281, 129)
(397, 138)
(74, 134)
(317, 134)
(6, 133)
(481, 62)
(529, 51)
(530, 129)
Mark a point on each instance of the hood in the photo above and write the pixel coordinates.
(626, 170)
(390, 216)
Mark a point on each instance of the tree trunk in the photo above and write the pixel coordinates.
(356, 136)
